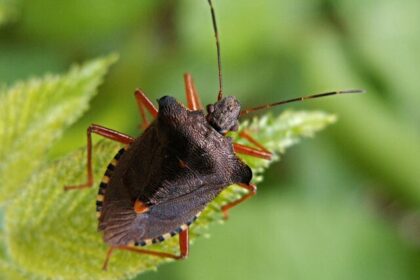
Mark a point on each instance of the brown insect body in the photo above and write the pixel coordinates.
(176, 167)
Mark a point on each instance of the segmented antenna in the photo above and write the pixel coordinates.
(302, 98)
(219, 60)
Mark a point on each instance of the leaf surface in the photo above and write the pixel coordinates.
(34, 114)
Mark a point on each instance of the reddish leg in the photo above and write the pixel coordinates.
(252, 191)
(242, 149)
(261, 152)
(244, 134)
(144, 104)
(107, 133)
(183, 247)
(193, 99)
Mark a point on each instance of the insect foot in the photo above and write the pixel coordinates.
(252, 190)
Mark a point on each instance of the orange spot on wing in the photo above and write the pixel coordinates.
(140, 207)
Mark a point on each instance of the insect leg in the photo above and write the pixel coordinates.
(184, 244)
(107, 133)
(261, 152)
(193, 98)
(143, 103)
(244, 134)
(183, 247)
(252, 191)
(242, 149)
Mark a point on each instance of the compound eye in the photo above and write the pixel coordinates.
(210, 108)
(235, 126)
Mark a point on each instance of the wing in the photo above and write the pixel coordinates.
(123, 226)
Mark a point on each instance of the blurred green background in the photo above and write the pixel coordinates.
(344, 205)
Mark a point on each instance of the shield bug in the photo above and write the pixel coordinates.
(158, 184)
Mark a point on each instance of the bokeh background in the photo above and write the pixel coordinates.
(344, 205)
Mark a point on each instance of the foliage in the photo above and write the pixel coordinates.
(34, 114)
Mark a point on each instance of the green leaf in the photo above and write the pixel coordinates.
(53, 233)
(34, 114)
(8, 269)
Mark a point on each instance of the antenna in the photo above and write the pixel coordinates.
(302, 98)
(219, 60)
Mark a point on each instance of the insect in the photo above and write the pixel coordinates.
(157, 185)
